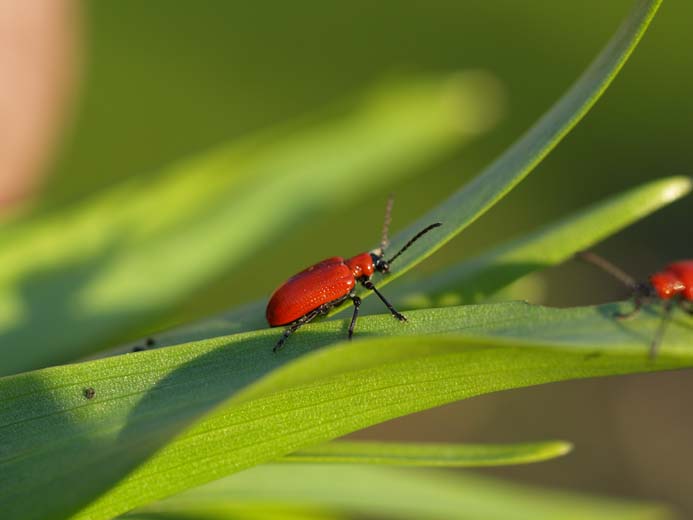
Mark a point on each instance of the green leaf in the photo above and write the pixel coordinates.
(143, 401)
(443, 455)
(75, 281)
(475, 279)
(474, 199)
(225, 511)
(374, 492)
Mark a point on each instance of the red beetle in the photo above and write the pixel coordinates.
(673, 285)
(330, 283)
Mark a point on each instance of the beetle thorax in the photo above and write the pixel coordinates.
(361, 266)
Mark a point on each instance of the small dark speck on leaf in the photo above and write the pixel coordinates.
(592, 355)
(149, 343)
(89, 393)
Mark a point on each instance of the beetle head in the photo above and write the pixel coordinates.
(379, 263)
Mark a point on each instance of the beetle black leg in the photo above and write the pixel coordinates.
(668, 308)
(637, 305)
(687, 306)
(300, 323)
(357, 304)
(369, 285)
(642, 293)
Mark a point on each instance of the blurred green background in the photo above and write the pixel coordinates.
(163, 80)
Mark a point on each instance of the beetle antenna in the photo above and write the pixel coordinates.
(386, 224)
(608, 267)
(414, 239)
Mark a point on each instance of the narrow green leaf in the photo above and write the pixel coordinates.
(443, 455)
(75, 281)
(477, 278)
(226, 511)
(229, 510)
(387, 493)
(474, 199)
(141, 402)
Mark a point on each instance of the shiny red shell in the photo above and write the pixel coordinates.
(326, 282)
(675, 279)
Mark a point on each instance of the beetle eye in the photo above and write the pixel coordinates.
(382, 266)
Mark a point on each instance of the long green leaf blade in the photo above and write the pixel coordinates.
(388, 493)
(431, 454)
(50, 430)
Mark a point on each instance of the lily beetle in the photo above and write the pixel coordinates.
(315, 291)
(673, 286)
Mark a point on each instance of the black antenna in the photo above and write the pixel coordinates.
(386, 224)
(416, 237)
(607, 267)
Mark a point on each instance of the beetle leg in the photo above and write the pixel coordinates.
(668, 307)
(642, 293)
(637, 305)
(687, 306)
(300, 323)
(369, 285)
(357, 304)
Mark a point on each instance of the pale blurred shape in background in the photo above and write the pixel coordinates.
(37, 73)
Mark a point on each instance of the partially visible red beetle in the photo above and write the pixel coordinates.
(330, 283)
(673, 285)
